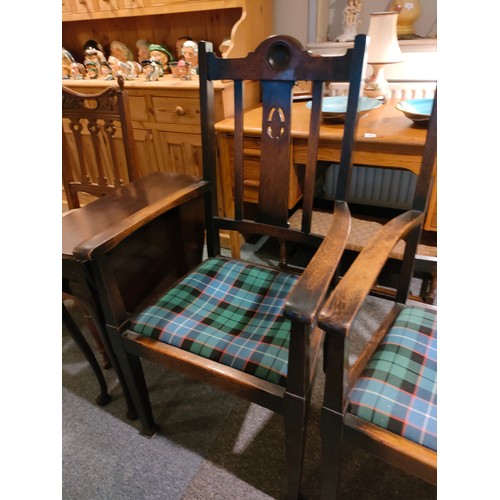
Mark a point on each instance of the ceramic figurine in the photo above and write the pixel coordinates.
(142, 47)
(93, 69)
(183, 70)
(151, 69)
(137, 67)
(173, 67)
(94, 55)
(77, 71)
(351, 21)
(105, 71)
(128, 70)
(120, 51)
(160, 54)
(67, 60)
(190, 53)
(114, 65)
(178, 45)
(93, 51)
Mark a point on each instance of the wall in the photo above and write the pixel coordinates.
(424, 26)
(313, 21)
(307, 19)
(291, 17)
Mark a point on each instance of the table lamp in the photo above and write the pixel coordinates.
(383, 49)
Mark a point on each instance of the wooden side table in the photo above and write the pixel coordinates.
(100, 223)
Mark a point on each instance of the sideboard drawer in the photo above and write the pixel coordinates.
(176, 111)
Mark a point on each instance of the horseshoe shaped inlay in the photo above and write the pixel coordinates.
(275, 123)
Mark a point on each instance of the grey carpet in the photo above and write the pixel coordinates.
(211, 445)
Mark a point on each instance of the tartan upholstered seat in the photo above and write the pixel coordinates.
(227, 311)
(397, 389)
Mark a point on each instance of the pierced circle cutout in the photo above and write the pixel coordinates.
(278, 56)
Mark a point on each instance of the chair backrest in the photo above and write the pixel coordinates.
(420, 203)
(98, 144)
(278, 62)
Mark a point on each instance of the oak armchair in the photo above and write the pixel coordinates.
(242, 326)
(386, 401)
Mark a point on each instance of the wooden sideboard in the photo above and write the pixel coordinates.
(245, 22)
(166, 118)
(166, 113)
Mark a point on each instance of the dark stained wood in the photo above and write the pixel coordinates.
(277, 62)
(82, 343)
(98, 226)
(336, 319)
(395, 450)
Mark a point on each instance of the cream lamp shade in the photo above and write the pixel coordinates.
(383, 49)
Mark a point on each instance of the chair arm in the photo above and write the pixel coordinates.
(155, 199)
(308, 294)
(341, 307)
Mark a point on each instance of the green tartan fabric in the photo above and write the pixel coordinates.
(227, 311)
(398, 387)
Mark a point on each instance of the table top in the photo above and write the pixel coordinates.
(98, 220)
(382, 126)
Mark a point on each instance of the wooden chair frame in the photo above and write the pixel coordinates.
(336, 318)
(99, 156)
(278, 62)
(92, 164)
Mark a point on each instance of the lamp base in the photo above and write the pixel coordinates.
(376, 86)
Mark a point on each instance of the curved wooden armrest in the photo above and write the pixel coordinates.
(341, 307)
(133, 206)
(308, 294)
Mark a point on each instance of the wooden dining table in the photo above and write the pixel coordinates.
(385, 138)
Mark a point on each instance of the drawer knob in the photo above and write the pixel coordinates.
(180, 111)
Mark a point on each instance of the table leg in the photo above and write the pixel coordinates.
(79, 339)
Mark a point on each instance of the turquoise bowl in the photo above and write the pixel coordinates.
(334, 107)
(417, 110)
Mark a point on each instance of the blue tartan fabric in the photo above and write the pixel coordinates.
(397, 389)
(227, 311)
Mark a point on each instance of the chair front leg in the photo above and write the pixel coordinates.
(131, 369)
(296, 404)
(296, 411)
(331, 452)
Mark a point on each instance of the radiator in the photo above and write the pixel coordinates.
(385, 187)
(379, 186)
(397, 90)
